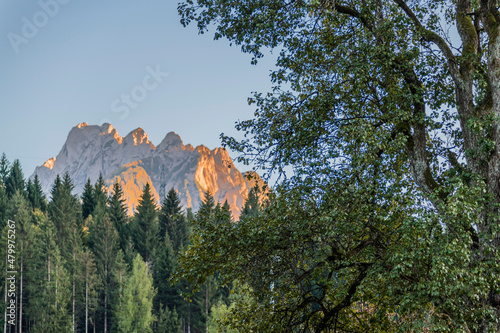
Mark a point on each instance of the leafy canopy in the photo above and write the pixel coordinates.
(389, 220)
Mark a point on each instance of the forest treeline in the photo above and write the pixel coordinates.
(83, 265)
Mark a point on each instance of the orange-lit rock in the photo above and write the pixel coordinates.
(91, 150)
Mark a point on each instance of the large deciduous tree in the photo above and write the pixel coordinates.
(391, 127)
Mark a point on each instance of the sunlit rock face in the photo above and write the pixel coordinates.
(133, 160)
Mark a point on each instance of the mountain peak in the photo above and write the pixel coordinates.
(106, 128)
(109, 129)
(172, 139)
(92, 150)
(138, 137)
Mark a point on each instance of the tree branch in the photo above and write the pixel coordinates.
(432, 37)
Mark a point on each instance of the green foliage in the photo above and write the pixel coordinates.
(390, 220)
(36, 195)
(163, 269)
(118, 215)
(168, 321)
(88, 200)
(64, 211)
(21, 235)
(209, 291)
(218, 312)
(222, 214)
(206, 210)
(119, 277)
(4, 168)
(100, 193)
(73, 273)
(91, 282)
(136, 304)
(172, 221)
(145, 227)
(105, 246)
(50, 290)
(15, 181)
(252, 203)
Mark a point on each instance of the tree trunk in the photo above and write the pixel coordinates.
(56, 287)
(48, 268)
(106, 297)
(106, 289)
(74, 294)
(86, 304)
(206, 308)
(105, 309)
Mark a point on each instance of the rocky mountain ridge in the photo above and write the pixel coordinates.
(91, 150)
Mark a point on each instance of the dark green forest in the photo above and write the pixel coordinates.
(383, 130)
(83, 265)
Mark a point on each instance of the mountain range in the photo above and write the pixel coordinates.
(133, 160)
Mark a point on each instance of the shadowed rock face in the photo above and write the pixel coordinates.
(134, 160)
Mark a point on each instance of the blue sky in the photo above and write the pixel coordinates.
(83, 58)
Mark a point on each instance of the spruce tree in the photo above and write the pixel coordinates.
(118, 215)
(29, 189)
(223, 213)
(146, 226)
(119, 277)
(252, 204)
(40, 200)
(163, 269)
(3, 205)
(36, 195)
(91, 284)
(64, 211)
(194, 312)
(73, 265)
(136, 304)
(189, 214)
(88, 201)
(49, 287)
(56, 189)
(15, 180)
(36, 267)
(4, 168)
(168, 321)
(100, 193)
(105, 247)
(172, 221)
(206, 211)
